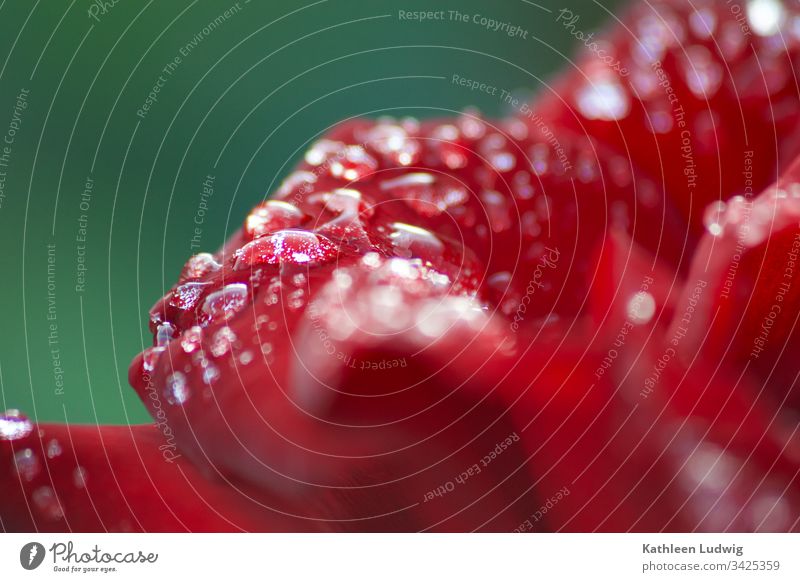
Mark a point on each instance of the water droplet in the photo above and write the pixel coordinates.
(321, 151)
(192, 339)
(176, 392)
(427, 194)
(641, 308)
(471, 124)
(493, 149)
(587, 167)
(354, 163)
(14, 425)
(517, 129)
(222, 342)
(296, 299)
(296, 184)
(530, 224)
(765, 16)
(412, 241)
(446, 132)
(714, 217)
(703, 22)
(271, 216)
(342, 279)
(46, 503)
(199, 266)
(431, 321)
(394, 143)
(371, 260)
(522, 186)
(731, 41)
(497, 210)
(660, 120)
(210, 374)
(185, 297)
(150, 358)
(540, 159)
(703, 73)
(502, 161)
(347, 228)
(498, 285)
(656, 33)
(604, 99)
(446, 141)
(386, 137)
(227, 301)
(710, 467)
(54, 449)
(79, 477)
(165, 334)
(245, 358)
(27, 465)
(403, 269)
(385, 297)
(286, 246)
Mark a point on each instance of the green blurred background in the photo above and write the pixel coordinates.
(241, 105)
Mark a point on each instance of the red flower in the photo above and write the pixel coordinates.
(466, 324)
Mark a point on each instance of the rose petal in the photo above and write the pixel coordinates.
(113, 478)
(743, 284)
(688, 94)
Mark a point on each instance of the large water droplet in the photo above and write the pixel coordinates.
(14, 425)
(765, 16)
(641, 308)
(393, 142)
(184, 297)
(227, 301)
(347, 228)
(427, 194)
(286, 246)
(270, 216)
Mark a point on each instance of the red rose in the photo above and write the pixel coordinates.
(579, 318)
